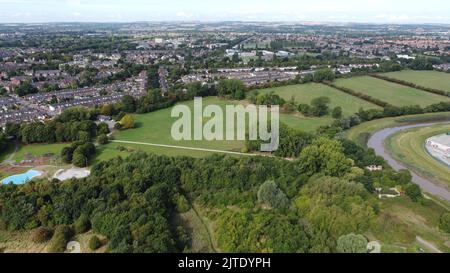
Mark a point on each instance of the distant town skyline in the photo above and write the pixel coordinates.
(358, 11)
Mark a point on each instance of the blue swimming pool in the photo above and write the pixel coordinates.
(22, 178)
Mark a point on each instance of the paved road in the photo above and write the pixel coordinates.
(376, 142)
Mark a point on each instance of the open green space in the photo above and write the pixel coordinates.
(156, 128)
(301, 123)
(400, 221)
(305, 93)
(409, 148)
(37, 150)
(361, 133)
(431, 79)
(112, 150)
(395, 94)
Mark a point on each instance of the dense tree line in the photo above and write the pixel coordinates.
(75, 124)
(232, 89)
(318, 107)
(3, 142)
(292, 142)
(268, 99)
(322, 75)
(78, 154)
(53, 131)
(25, 88)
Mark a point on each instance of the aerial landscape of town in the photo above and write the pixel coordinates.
(89, 162)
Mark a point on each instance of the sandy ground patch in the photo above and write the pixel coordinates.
(78, 173)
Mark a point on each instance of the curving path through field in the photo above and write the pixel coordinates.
(182, 147)
(376, 142)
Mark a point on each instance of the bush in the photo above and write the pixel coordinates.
(337, 112)
(414, 192)
(305, 109)
(94, 243)
(41, 235)
(102, 139)
(444, 222)
(182, 204)
(270, 195)
(127, 122)
(79, 160)
(82, 224)
(60, 238)
(352, 243)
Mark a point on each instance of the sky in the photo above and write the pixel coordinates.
(361, 11)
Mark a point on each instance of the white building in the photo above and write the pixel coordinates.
(440, 144)
(374, 168)
(407, 57)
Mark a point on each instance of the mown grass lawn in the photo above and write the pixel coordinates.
(432, 79)
(391, 93)
(305, 93)
(156, 127)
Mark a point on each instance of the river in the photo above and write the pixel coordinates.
(376, 142)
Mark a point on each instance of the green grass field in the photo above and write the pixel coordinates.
(392, 93)
(408, 147)
(432, 79)
(400, 221)
(305, 93)
(361, 133)
(306, 124)
(155, 128)
(37, 150)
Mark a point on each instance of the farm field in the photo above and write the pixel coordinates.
(431, 79)
(305, 93)
(361, 133)
(408, 147)
(395, 94)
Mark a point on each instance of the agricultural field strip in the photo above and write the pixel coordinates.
(392, 93)
(305, 93)
(411, 85)
(429, 79)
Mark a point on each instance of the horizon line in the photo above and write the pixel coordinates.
(225, 21)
